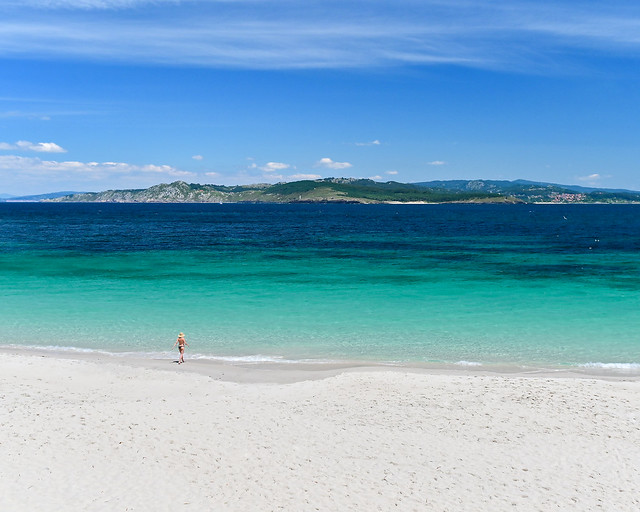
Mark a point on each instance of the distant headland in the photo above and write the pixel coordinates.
(354, 190)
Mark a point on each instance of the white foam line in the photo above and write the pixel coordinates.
(255, 358)
(613, 366)
(259, 358)
(84, 350)
(59, 348)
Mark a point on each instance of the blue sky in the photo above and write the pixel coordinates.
(98, 94)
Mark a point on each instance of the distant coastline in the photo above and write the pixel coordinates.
(352, 190)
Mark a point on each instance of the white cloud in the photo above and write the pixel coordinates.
(372, 143)
(375, 178)
(393, 173)
(305, 177)
(43, 147)
(274, 166)
(212, 174)
(330, 164)
(437, 162)
(40, 147)
(197, 157)
(35, 167)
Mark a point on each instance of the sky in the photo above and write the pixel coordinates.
(112, 94)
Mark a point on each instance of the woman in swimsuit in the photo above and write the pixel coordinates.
(181, 342)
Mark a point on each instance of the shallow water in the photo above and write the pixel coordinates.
(509, 284)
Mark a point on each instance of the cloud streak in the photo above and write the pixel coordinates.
(25, 115)
(593, 179)
(88, 4)
(283, 34)
(305, 177)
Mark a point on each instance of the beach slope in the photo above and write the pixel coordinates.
(95, 435)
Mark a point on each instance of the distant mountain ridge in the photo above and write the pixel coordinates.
(354, 190)
(345, 190)
(578, 188)
(504, 185)
(538, 192)
(36, 197)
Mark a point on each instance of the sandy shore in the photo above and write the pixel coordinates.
(102, 434)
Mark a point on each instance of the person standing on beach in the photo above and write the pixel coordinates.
(181, 342)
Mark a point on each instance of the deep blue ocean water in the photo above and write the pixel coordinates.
(548, 285)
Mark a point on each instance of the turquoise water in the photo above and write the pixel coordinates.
(508, 284)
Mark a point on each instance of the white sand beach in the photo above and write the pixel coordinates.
(90, 434)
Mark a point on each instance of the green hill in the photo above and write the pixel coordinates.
(346, 190)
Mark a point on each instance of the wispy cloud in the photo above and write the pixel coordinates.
(305, 177)
(393, 173)
(24, 115)
(593, 179)
(372, 143)
(273, 44)
(40, 147)
(197, 157)
(285, 34)
(437, 162)
(330, 164)
(88, 4)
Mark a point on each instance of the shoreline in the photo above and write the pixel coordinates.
(239, 370)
